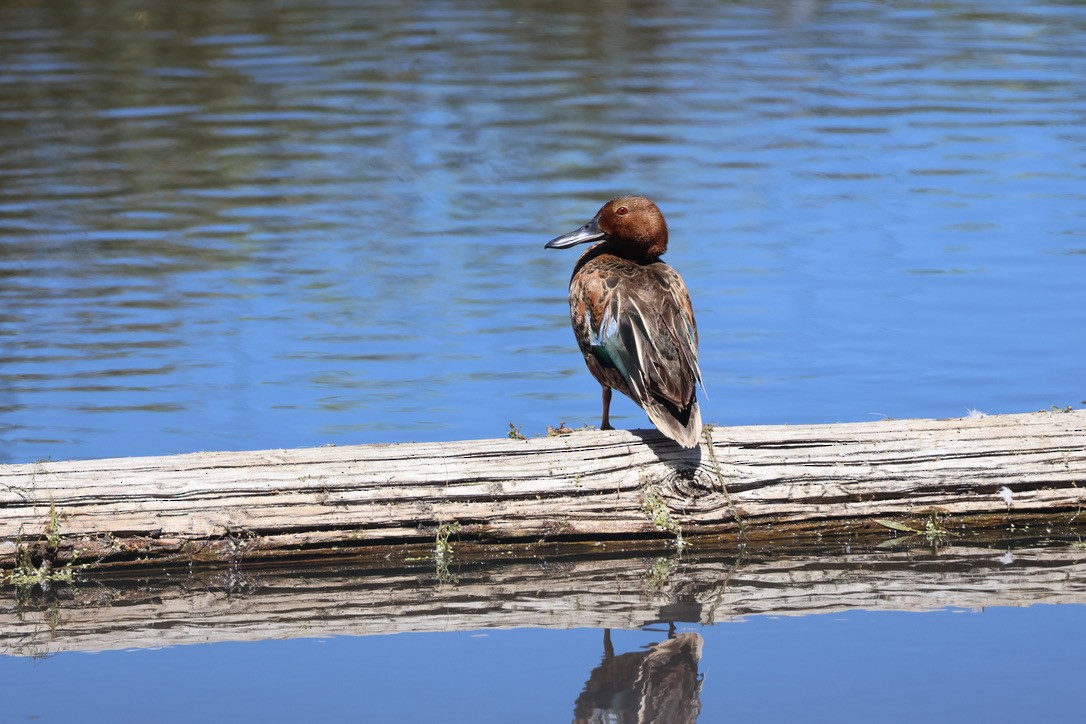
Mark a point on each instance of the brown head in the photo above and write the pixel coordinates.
(633, 226)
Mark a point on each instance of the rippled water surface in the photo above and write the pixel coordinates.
(232, 225)
(241, 225)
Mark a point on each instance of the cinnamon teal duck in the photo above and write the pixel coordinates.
(632, 316)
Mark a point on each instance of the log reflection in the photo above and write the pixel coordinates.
(618, 591)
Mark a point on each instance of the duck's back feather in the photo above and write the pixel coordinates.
(635, 325)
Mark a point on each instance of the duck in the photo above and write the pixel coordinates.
(633, 318)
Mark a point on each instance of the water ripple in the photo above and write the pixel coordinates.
(234, 229)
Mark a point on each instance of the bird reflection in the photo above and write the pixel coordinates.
(658, 686)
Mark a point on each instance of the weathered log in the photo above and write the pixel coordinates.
(605, 592)
(746, 484)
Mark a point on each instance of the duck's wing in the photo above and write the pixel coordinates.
(641, 324)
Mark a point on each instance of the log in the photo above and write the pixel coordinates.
(747, 485)
(613, 591)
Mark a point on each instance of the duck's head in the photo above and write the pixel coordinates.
(633, 226)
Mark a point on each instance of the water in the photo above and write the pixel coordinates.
(834, 637)
(228, 228)
(855, 667)
(237, 226)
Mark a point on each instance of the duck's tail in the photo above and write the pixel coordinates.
(682, 426)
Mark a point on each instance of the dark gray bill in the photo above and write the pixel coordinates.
(589, 232)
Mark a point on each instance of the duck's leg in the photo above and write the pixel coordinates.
(606, 423)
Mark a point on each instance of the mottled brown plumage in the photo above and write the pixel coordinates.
(632, 316)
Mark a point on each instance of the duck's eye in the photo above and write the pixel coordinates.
(621, 210)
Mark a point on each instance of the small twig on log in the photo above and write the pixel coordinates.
(723, 486)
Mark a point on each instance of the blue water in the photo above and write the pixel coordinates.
(228, 229)
(1024, 665)
(236, 225)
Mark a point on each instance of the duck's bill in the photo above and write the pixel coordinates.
(589, 232)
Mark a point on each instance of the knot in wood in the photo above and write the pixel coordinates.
(690, 483)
